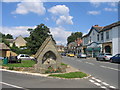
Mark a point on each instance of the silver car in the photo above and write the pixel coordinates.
(104, 56)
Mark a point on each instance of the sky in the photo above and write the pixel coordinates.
(62, 18)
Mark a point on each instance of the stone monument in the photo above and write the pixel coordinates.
(47, 56)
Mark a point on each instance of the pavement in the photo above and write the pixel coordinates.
(106, 72)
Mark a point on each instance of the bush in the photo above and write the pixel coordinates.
(11, 68)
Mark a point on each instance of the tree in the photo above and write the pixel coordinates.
(73, 37)
(37, 37)
(9, 36)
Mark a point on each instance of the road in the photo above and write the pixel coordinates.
(23, 81)
(105, 71)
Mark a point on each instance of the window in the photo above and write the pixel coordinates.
(22, 56)
(107, 35)
(93, 33)
(102, 36)
(98, 37)
(90, 38)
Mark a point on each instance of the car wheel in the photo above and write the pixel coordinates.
(97, 59)
(111, 60)
(103, 59)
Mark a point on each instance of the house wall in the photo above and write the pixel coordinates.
(2, 53)
(116, 40)
(93, 36)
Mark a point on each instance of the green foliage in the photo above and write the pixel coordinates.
(9, 36)
(11, 68)
(73, 37)
(17, 50)
(51, 70)
(64, 64)
(3, 38)
(24, 63)
(37, 37)
(70, 75)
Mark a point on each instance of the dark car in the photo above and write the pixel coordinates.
(115, 58)
(63, 54)
(81, 55)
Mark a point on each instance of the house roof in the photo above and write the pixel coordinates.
(3, 46)
(10, 40)
(111, 26)
(97, 28)
(20, 38)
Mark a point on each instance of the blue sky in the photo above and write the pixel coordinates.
(62, 18)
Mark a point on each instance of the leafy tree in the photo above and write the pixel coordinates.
(37, 37)
(73, 37)
(9, 36)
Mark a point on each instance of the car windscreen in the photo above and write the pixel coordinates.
(109, 54)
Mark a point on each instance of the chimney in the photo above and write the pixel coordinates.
(96, 25)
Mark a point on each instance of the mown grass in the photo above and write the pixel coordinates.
(70, 75)
(24, 63)
(64, 64)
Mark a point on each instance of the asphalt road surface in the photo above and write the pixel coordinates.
(105, 71)
(23, 81)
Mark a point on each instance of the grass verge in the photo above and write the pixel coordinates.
(70, 75)
(24, 63)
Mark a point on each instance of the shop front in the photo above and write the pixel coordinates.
(93, 49)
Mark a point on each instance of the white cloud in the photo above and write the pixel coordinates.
(96, 4)
(27, 7)
(61, 14)
(94, 12)
(16, 31)
(110, 9)
(60, 35)
(113, 4)
(59, 10)
(46, 19)
(11, 1)
(67, 19)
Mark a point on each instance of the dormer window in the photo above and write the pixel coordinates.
(90, 38)
(93, 33)
(98, 37)
(102, 36)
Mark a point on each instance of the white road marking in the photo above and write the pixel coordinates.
(100, 83)
(90, 63)
(109, 68)
(11, 85)
(93, 78)
(103, 87)
(97, 84)
(92, 81)
(98, 80)
(104, 83)
(112, 87)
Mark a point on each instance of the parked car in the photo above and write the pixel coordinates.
(70, 55)
(63, 54)
(115, 58)
(1, 58)
(81, 55)
(12, 59)
(104, 56)
(25, 57)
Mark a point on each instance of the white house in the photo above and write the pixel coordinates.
(102, 39)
